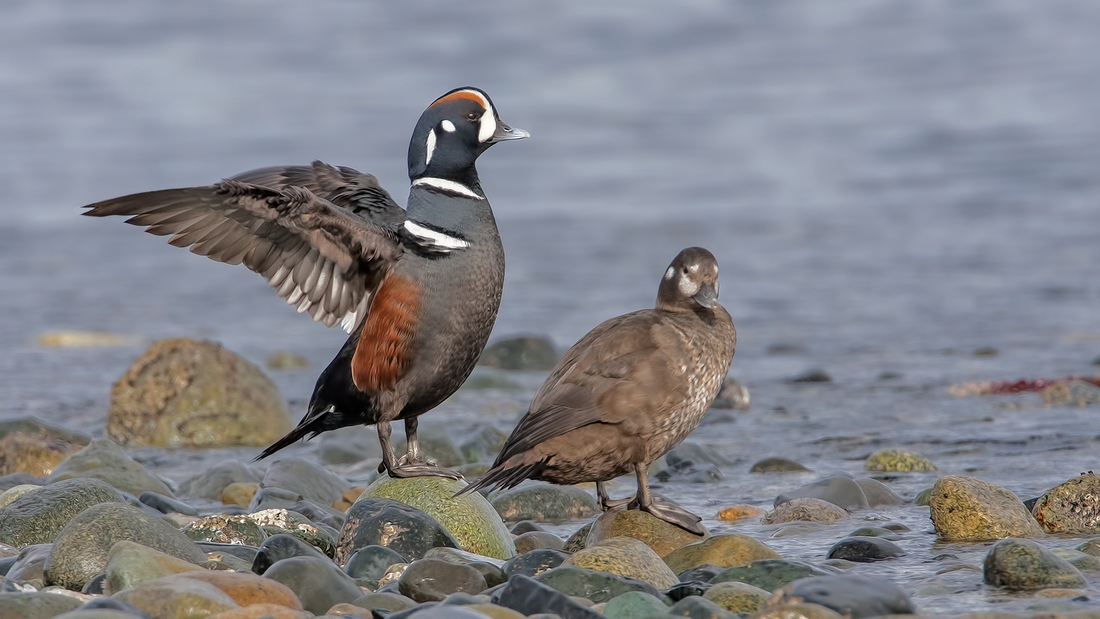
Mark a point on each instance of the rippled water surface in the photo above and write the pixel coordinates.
(887, 186)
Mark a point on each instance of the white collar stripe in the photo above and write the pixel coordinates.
(448, 186)
(436, 238)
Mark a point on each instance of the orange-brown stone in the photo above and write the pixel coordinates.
(260, 611)
(248, 589)
(739, 512)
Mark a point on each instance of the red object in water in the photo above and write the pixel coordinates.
(1022, 385)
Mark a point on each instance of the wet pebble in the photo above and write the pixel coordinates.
(537, 539)
(429, 580)
(104, 460)
(815, 375)
(371, 562)
(878, 493)
(166, 596)
(1080, 560)
(626, 557)
(349, 445)
(384, 601)
(529, 597)
(309, 480)
(535, 562)
(318, 583)
(882, 532)
(732, 396)
(791, 610)
(805, 510)
(240, 493)
(385, 522)
(969, 509)
(483, 445)
(741, 511)
(525, 526)
(166, 505)
(283, 546)
(39, 516)
(1071, 507)
(701, 573)
(633, 604)
(770, 574)
(851, 595)
(211, 483)
(777, 465)
(29, 564)
(841, 491)
(129, 564)
(593, 585)
(36, 605)
(1091, 547)
(898, 460)
(545, 503)
(1022, 564)
(721, 550)
(681, 590)
(33, 447)
(283, 521)
(474, 523)
(272, 498)
(659, 535)
(7, 482)
(697, 607)
(247, 588)
(864, 549)
(81, 549)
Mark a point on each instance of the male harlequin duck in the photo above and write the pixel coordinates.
(417, 289)
(627, 393)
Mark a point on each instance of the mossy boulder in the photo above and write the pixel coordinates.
(190, 393)
(472, 521)
(721, 550)
(737, 597)
(1071, 507)
(627, 557)
(969, 509)
(38, 516)
(545, 503)
(104, 460)
(30, 445)
(81, 549)
(659, 535)
(1025, 565)
(770, 574)
(898, 461)
(592, 585)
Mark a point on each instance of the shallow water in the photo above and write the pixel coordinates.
(887, 186)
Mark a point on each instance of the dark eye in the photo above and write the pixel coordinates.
(472, 116)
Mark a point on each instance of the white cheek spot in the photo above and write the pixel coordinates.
(694, 268)
(488, 125)
(670, 272)
(448, 126)
(430, 147)
(688, 287)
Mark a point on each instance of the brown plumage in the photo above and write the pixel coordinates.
(628, 392)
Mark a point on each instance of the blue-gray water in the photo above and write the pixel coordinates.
(888, 185)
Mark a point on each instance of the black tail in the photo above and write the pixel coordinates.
(503, 478)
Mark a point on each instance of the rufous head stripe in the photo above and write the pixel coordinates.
(463, 94)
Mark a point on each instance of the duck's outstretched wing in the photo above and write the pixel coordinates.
(322, 237)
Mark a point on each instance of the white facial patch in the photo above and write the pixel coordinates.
(430, 147)
(447, 126)
(488, 124)
(670, 272)
(688, 287)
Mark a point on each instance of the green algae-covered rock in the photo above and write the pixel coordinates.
(770, 574)
(578, 540)
(721, 550)
(9, 495)
(36, 605)
(968, 509)
(659, 535)
(129, 564)
(225, 529)
(105, 460)
(1080, 560)
(634, 604)
(592, 585)
(924, 498)
(472, 521)
(1022, 564)
(81, 549)
(545, 503)
(39, 516)
(1071, 507)
(190, 393)
(737, 597)
(30, 445)
(898, 461)
(627, 557)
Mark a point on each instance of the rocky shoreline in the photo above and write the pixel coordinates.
(87, 532)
